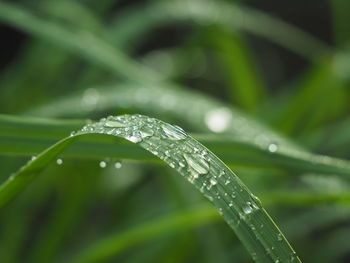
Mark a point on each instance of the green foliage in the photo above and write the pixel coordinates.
(76, 190)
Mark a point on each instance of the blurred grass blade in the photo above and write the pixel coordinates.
(241, 74)
(340, 16)
(130, 27)
(200, 112)
(109, 247)
(79, 41)
(322, 85)
(240, 208)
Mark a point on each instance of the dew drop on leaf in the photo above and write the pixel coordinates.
(197, 163)
(279, 237)
(114, 124)
(173, 132)
(117, 165)
(103, 164)
(146, 132)
(272, 147)
(247, 209)
(59, 161)
(213, 181)
(134, 138)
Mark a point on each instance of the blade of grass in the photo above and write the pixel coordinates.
(242, 77)
(109, 247)
(79, 41)
(321, 86)
(69, 210)
(29, 136)
(131, 26)
(333, 138)
(239, 207)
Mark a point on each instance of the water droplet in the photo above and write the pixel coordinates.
(197, 163)
(115, 124)
(227, 182)
(146, 132)
(218, 120)
(117, 165)
(273, 147)
(134, 138)
(247, 209)
(213, 181)
(103, 164)
(59, 161)
(33, 158)
(230, 204)
(173, 132)
(279, 237)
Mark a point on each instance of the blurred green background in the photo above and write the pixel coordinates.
(283, 64)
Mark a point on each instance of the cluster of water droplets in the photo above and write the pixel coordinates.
(191, 159)
(160, 139)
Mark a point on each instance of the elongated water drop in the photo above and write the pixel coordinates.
(197, 163)
(134, 138)
(115, 124)
(173, 132)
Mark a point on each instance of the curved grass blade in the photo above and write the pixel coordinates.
(239, 207)
(29, 136)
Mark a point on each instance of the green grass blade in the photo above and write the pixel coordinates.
(239, 70)
(136, 22)
(109, 247)
(240, 208)
(29, 136)
(79, 41)
(322, 85)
